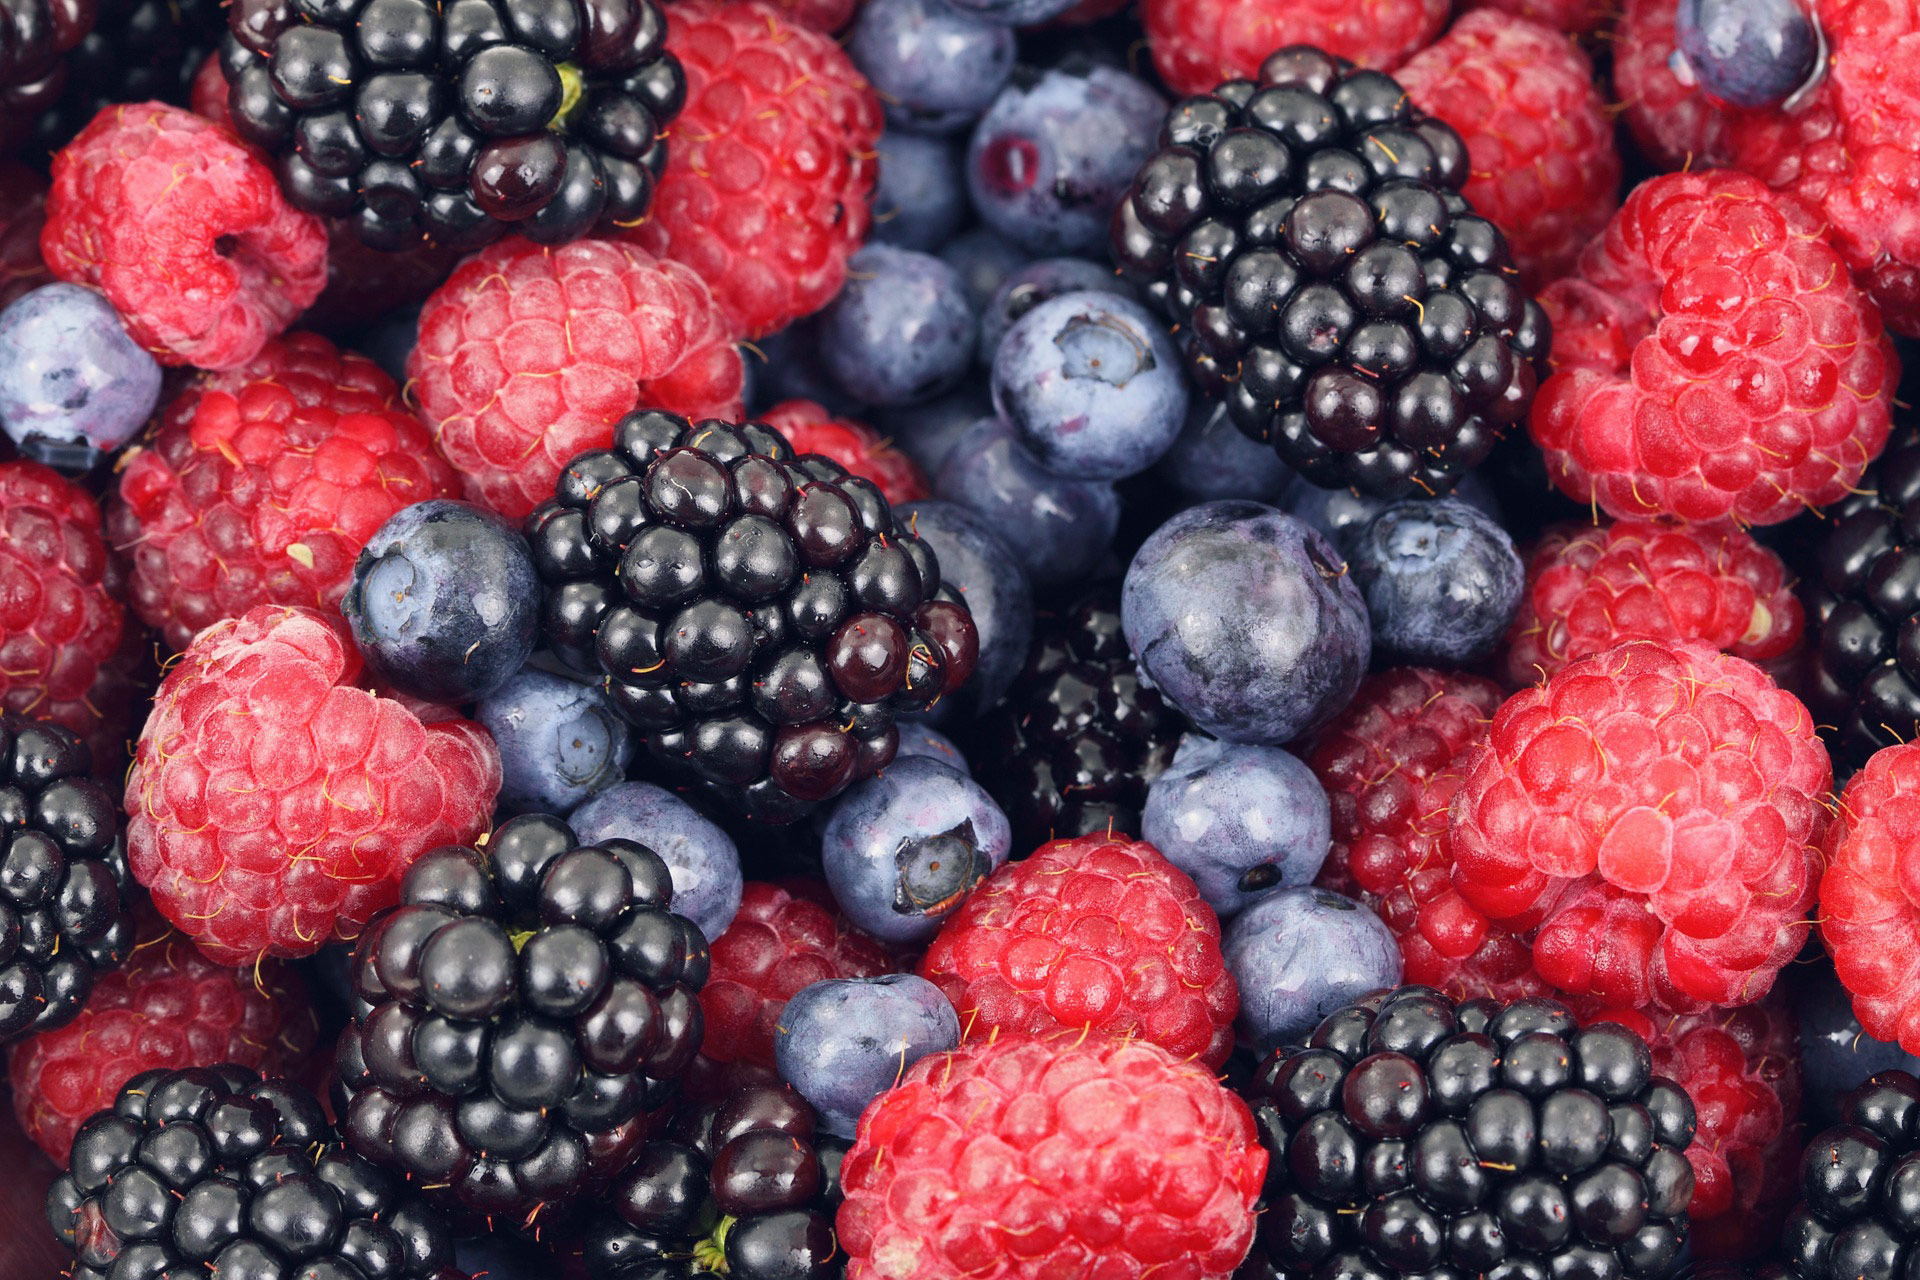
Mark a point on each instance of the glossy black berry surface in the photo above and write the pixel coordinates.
(217, 1172)
(1859, 1212)
(759, 616)
(519, 1017)
(1306, 235)
(453, 123)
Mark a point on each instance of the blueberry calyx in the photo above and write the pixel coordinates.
(937, 871)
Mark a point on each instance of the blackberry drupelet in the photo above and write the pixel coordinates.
(215, 1171)
(65, 890)
(760, 617)
(1859, 1214)
(457, 122)
(519, 1018)
(1307, 236)
(743, 1187)
(1072, 746)
(1414, 1136)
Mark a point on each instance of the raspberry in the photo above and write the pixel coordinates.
(1713, 360)
(1575, 17)
(1198, 43)
(1097, 933)
(273, 806)
(185, 231)
(777, 944)
(810, 428)
(1590, 588)
(261, 485)
(1391, 764)
(168, 1007)
(1652, 811)
(1540, 140)
(770, 165)
(824, 16)
(1071, 1155)
(1676, 125)
(1870, 894)
(529, 354)
(23, 211)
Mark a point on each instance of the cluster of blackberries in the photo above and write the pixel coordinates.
(1859, 1218)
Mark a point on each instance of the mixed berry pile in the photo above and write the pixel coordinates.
(960, 639)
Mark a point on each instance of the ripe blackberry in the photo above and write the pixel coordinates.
(1416, 1136)
(760, 617)
(1307, 235)
(456, 122)
(743, 1187)
(1859, 1214)
(518, 1017)
(1071, 747)
(64, 884)
(217, 1171)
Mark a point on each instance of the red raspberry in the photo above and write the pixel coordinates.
(824, 16)
(529, 354)
(209, 93)
(1198, 43)
(274, 805)
(1072, 1155)
(23, 211)
(1652, 811)
(1391, 764)
(1544, 165)
(777, 944)
(1098, 932)
(261, 485)
(1676, 126)
(1590, 588)
(810, 428)
(169, 1007)
(183, 227)
(770, 165)
(1870, 894)
(1575, 17)
(1713, 360)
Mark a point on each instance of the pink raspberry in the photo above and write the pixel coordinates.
(1675, 124)
(1575, 17)
(1196, 44)
(1870, 894)
(809, 428)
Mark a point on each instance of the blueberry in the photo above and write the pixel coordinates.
(1015, 13)
(903, 849)
(1340, 514)
(1214, 459)
(1092, 385)
(1299, 955)
(935, 67)
(702, 858)
(926, 432)
(560, 742)
(73, 385)
(1746, 53)
(1057, 528)
(1244, 822)
(1835, 1052)
(917, 739)
(1246, 620)
(1442, 581)
(444, 601)
(902, 330)
(1040, 281)
(845, 1041)
(921, 197)
(391, 339)
(786, 366)
(975, 562)
(984, 258)
(1055, 152)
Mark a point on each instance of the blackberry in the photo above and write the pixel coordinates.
(518, 1018)
(65, 890)
(758, 616)
(1859, 1213)
(743, 1187)
(1072, 746)
(1307, 236)
(215, 1171)
(456, 122)
(1412, 1135)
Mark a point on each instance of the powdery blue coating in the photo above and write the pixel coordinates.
(1215, 459)
(71, 380)
(1057, 528)
(1299, 955)
(976, 562)
(845, 1041)
(1246, 620)
(1244, 822)
(917, 739)
(1340, 514)
(1747, 53)
(984, 258)
(445, 602)
(1441, 581)
(1038, 282)
(560, 742)
(936, 68)
(1053, 155)
(921, 199)
(1016, 13)
(1835, 1053)
(917, 822)
(704, 862)
(1092, 385)
(901, 331)
(926, 432)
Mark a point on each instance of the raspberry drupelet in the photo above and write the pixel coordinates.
(1198, 43)
(1870, 894)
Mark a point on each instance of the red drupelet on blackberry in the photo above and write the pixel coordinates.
(1307, 235)
(760, 617)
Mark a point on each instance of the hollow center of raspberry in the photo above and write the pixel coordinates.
(226, 245)
(1010, 165)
